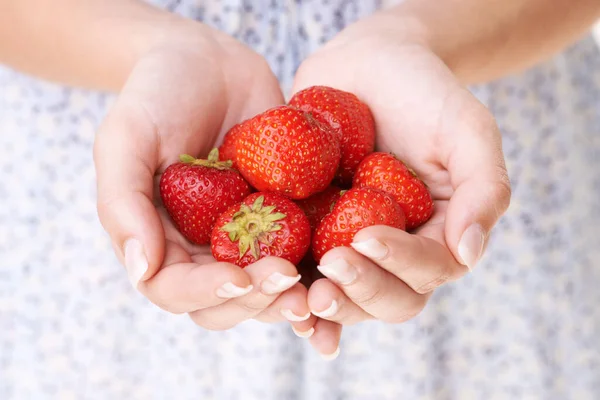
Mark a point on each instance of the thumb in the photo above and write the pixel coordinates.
(478, 174)
(125, 156)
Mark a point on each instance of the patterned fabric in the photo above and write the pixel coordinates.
(524, 325)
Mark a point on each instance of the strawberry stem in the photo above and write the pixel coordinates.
(186, 158)
(212, 161)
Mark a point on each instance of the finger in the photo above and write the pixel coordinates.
(327, 301)
(420, 262)
(475, 161)
(375, 290)
(270, 277)
(184, 286)
(308, 269)
(291, 306)
(326, 339)
(125, 160)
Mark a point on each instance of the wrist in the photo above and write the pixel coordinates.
(166, 31)
(407, 26)
(386, 26)
(173, 31)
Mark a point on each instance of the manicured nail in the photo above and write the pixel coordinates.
(332, 356)
(136, 262)
(470, 247)
(304, 335)
(290, 316)
(277, 283)
(231, 291)
(329, 312)
(340, 271)
(371, 248)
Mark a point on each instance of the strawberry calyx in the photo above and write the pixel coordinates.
(212, 161)
(253, 225)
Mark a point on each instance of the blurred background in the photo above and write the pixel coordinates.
(71, 326)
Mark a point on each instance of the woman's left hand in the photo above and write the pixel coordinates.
(425, 117)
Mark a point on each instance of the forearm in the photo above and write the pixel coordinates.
(483, 40)
(90, 43)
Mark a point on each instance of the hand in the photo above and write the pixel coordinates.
(438, 128)
(181, 97)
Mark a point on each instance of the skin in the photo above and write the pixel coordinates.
(145, 51)
(422, 54)
(161, 125)
(415, 59)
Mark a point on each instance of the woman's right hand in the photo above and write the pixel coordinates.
(182, 97)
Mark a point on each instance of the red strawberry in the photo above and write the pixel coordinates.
(264, 224)
(317, 206)
(195, 192)
(355, 210)
(348, 116)
(287, 151)
(227, 149)
(385, 172)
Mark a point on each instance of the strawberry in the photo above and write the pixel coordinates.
(350, 118)
(317, 206)
(264, 224)
(287, 151)
(354, 211)
(195, 192)
(385, 172)
(227, 148)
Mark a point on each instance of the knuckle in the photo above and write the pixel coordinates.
(370, 297)
(407, 313)
(477, 122)
(169, 307)
(434, 284)
(162, 295)
(497, 195)
(400, 261)
(211, 324)
(400, 318)
(477, 119)
(503, 192)
(100, 145)
(166, 303)
(104, 207)
(251, 307)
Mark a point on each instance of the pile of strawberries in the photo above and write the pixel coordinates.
(295, 178)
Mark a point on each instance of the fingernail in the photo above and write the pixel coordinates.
(371, 248)
(470, 246)
(231, 291)
(340, 271)
(136, 262)
(329, 312)
(304, 335)
(277, 283)
(332, 356)
(290, 316)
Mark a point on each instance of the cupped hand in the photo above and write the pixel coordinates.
(181, 98)
(431, 122)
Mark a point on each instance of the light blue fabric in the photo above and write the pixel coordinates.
(524, 325)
